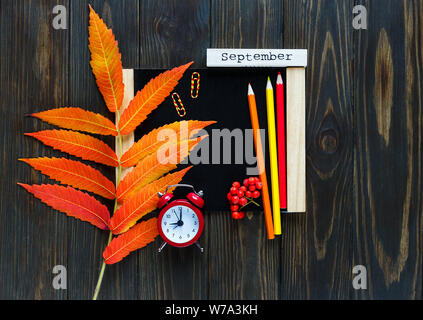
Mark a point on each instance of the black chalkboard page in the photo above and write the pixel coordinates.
(223, 98)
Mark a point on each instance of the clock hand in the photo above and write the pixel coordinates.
(176, 214)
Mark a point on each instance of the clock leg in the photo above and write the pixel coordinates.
(162, 246)
(199, 246)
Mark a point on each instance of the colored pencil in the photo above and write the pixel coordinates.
(280, 113)
(273, 152)
(260, 162)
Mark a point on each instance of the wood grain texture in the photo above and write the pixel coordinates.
(33, 236)
(296, 140)
(174, 32)
(364, 154)
(388, 162)
(324, 28)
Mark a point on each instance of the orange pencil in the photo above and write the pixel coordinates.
(260, 162)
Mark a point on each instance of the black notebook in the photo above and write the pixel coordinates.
(222, 97)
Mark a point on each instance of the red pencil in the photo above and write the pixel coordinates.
(280, 114)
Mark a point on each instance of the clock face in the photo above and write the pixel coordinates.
(180, 224)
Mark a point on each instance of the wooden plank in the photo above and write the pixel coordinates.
(243, 263)
(322, 265)
(87, 245)
(388, 163)
(295, 139)
(128, 139)
(173, 32)
(32, 235)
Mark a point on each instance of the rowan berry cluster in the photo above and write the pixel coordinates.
(241, 196)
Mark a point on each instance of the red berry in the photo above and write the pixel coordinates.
(259, 185)
(256, 194)
(234, 190)
(252, 180)
(246, 182)
(248, 194)
(235, 200)
(236, 184)
(252, 188)
(243, 188)
(243, 201)
(237, 215)
(234, 207)
(229, 196)
(240, 193)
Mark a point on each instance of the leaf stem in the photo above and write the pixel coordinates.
(103, 266)
(100, 277)
(250, 201)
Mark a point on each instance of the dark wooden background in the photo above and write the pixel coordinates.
(364, 151)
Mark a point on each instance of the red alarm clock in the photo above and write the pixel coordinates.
(180, 221)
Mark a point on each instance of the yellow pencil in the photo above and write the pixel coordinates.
(273, 151)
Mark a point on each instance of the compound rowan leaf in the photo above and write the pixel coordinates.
(149, 98)
(78, 119)
(73, 202)
(153, 167)
(138, 237)
(78, 144)
(144, 201)
(151, 142)
(74, 173)
(106, 62)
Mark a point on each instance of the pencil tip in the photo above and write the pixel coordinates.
(250, 90)
(269, 83)
(279, 79)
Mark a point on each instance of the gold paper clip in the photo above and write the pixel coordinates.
(180, 109)
(195, 78)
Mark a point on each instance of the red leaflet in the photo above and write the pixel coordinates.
(78, 119)
(73, 202)
(136, 238)
(143, 202)
(149, 98)
(74, 173)
(78, 144)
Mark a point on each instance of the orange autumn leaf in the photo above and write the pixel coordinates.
(106, 61)
(152, 168)
(75, 174)
(150, 142)
(150, 97)
(136, 238)
(78, 144)
(144, 201)
(73, 202)
(78, 119)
